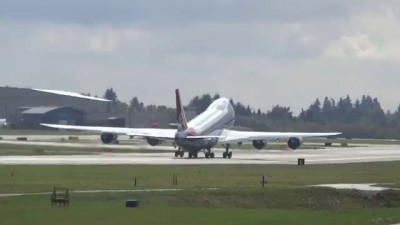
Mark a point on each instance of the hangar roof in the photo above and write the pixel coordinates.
(42, 109)
(71, 94)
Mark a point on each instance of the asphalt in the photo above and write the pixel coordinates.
(332, 155)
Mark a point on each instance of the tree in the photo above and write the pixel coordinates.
(327, 108)
(111, 95)
(259, 113)
(136, 105)
(280, 113)
(313, 113)
(240, 109)
(216, 96)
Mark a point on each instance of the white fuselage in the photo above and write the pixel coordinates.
(212, 121)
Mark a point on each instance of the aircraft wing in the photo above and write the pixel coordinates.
(165, 134)
(233, 136)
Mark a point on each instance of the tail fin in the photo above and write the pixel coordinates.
(180, 113)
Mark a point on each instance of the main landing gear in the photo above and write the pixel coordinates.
(193, 155)
(209, 154)
(180, 153)
(227, 153)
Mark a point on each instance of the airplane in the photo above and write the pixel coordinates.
(203, 132)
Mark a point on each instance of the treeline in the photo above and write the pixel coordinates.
(359, 118)
(135, 105)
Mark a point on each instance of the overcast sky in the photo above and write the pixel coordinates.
(260, 52)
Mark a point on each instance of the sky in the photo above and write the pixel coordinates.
(259, 52)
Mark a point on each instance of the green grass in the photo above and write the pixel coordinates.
(40, 178)
(239, 199)
(22, 149)
(93, 211)
(7, 131)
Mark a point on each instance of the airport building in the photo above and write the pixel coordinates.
(27, 108)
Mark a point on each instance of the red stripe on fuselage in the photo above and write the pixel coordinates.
(191, 131)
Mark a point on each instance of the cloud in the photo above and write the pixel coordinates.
(261, 52)
(369, 36)
(169, 13)
(80, 39)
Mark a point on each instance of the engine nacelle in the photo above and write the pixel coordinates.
(294, 143)
(259, 144)
(108, 138)
(153, 141)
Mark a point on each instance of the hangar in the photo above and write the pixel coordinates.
(32, 117)
(25, 107)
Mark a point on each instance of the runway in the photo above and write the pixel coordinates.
(333, 155)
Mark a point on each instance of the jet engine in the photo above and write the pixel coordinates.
(259, 144)
(109, 138)
(294, 143)
(153, 141)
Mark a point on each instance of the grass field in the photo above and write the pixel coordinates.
(6, 131)
(22, 149)
(238, 199)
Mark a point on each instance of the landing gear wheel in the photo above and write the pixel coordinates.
(190, 155)
(227, 153)
(195, 155)
(179, 153)
(209, 154)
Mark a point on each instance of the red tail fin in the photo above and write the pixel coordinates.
(180, 113)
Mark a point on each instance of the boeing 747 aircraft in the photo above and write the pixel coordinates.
(205, 131)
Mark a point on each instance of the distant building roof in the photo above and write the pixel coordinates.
(40, 110)
(72, 94)
(43, 109)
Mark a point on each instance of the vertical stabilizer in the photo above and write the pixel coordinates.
(180, 113)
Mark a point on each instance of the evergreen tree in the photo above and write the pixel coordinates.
(136, 105)
(216, 96)
(280, 113)
(111, 95)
